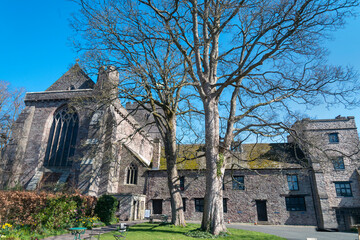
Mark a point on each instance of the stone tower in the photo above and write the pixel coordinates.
(332, 147)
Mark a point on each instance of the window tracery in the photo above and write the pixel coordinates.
(131, 177)
(62, 138)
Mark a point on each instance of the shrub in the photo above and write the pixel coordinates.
(105, 208)
(20, 207)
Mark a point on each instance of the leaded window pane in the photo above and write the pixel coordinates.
(131, 177)
(295, 203)
(199, 204)
(238, 183)
(343, 189)
(62, 138)
(293, 182)
(338, 163)
(333, 138)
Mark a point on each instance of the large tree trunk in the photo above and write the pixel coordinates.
(213, 219)
(177, 212)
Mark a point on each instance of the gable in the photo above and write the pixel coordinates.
(73, 79)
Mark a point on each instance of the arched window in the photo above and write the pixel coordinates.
(62, 138)
(131, 177)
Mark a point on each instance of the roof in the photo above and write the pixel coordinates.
(252, 156)
(73, 79)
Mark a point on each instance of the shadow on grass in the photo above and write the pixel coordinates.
(162, 227)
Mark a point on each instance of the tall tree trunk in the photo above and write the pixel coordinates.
(213, 219)
(177, 212)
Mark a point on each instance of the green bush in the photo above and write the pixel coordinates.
(58, 213)
(105, 208)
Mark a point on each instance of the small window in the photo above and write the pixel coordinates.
(338, 163)
(238, 183)
(293, 182)
(199, 205)
(182, 183)
(295, 203)
(225, 205)
(184, 204)
(157, 206)
(343, 189)
(131, 177)
(333, 138)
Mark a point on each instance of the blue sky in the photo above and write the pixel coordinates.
(35, 49)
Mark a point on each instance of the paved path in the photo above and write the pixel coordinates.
(295, 232)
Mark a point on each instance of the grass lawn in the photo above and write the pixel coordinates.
(153, 231)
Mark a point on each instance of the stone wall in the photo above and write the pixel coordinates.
(269, 185)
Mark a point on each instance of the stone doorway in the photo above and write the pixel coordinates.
(261, 210)
(131, 207)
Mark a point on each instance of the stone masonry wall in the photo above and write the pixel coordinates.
(269, 185)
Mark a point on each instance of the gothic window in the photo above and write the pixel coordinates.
(62, 138)
(131, 177)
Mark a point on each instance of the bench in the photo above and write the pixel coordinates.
(164, 218)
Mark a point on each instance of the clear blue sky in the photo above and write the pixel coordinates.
(35, 50)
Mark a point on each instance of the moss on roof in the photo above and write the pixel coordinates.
(189, 158)
(252, 156)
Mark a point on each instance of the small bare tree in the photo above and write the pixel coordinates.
(11, 104)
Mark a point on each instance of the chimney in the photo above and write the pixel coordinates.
(157, 154)
(101, 78)
(108, 80)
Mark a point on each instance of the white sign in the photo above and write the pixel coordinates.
(147, 213)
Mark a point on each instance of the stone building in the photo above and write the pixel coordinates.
(77, 134)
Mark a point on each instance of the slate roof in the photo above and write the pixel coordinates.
(73, 79)
(252, 156)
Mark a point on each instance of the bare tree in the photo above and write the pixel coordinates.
(11, 104)
(259, 56)
(152, 72)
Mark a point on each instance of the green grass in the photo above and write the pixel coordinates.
(154, 231)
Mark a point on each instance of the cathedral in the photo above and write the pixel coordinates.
(76, 134)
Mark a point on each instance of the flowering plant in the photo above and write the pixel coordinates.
(87, 222)
(5, 229)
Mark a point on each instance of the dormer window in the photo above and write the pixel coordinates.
(333, 138)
